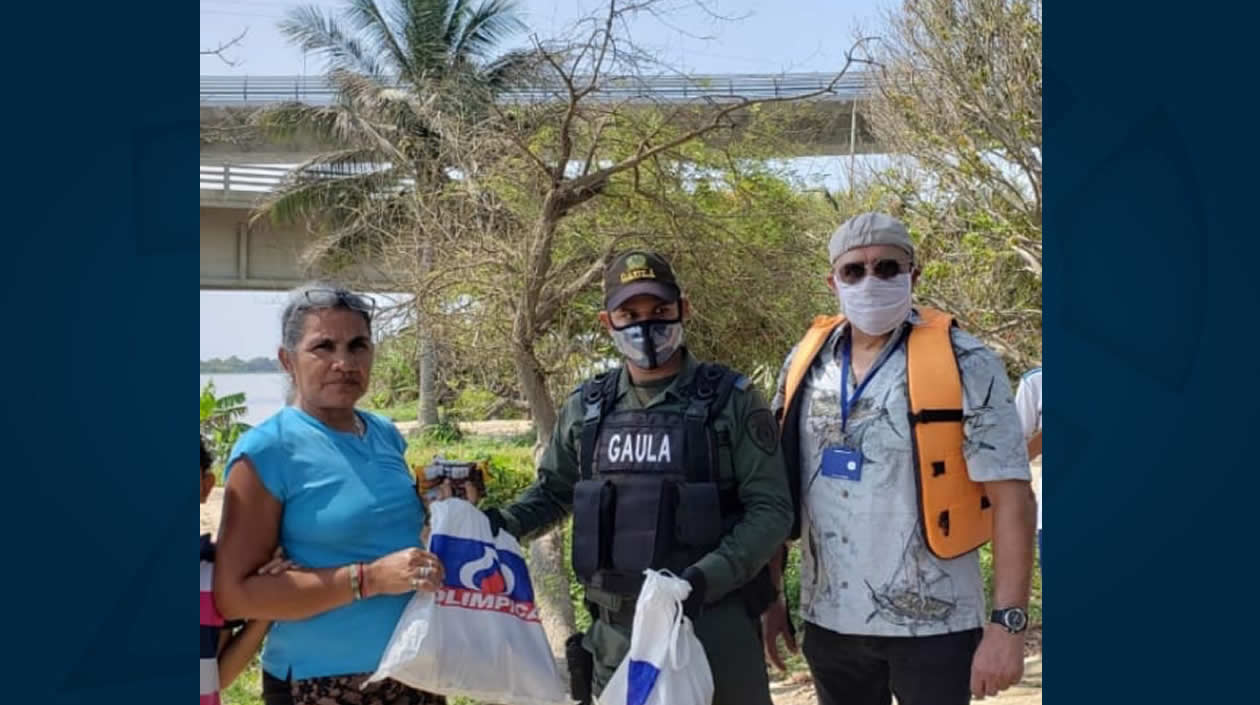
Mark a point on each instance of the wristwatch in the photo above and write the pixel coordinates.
(1013, 619)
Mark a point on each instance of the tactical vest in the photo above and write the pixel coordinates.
(954, 510)
(649, 494)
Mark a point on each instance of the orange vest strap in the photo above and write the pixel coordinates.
(931, 370)
(955, 511)
(806, 351)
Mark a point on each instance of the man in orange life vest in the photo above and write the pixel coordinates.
(904, 454)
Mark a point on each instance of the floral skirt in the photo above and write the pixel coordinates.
(343, 690)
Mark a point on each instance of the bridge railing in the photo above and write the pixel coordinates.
(317, 90)
(233, 177)
(259, 178)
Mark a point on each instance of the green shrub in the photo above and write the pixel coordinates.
(445, 431)
(473, 403)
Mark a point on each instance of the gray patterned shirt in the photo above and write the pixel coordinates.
(865, 568)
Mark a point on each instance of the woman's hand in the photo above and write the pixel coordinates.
(446, 491)
(278, 564)
(404, 571)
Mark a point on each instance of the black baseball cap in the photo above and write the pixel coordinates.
(639, 272)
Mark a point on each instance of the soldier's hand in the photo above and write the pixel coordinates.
(496, 520)
(774, 623)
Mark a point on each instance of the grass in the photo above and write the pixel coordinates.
(246, 689)
(400, 412)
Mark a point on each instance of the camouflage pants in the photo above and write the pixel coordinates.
(343, 690)
(732, 644)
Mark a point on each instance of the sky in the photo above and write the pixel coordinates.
(765, 37)
(241, 323)
(247, 323)
(785, 36)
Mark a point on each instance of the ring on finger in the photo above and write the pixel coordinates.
(415, 583)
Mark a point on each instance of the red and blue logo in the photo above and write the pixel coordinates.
(480, 577)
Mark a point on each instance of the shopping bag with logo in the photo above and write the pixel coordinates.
(479, 636)
(666, 663)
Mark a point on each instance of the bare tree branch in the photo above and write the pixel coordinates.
(224, 46)
(714, 123)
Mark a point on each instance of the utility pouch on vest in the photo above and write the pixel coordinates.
(699, 515)
(644, 523)
(594, 504)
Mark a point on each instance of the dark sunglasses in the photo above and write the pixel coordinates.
(335, 297)
(853, 272)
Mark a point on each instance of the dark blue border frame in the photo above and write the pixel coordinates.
(1150, 240)
(1150, 246)
(99, 134)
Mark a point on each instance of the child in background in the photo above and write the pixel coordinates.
(226, 647)
(1028, 405)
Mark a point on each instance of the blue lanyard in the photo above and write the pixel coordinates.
(846, 404)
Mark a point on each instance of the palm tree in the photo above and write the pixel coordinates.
(386, 59)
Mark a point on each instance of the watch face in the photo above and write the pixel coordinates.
(1015, 620)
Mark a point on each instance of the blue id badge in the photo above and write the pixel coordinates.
(841, 462)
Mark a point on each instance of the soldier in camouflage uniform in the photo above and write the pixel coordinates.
(666, 463)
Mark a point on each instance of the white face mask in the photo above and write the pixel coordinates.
(875, 306)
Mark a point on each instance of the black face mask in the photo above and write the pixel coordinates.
(648, 344)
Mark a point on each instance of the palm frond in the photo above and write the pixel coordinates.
(358, 238)
(314, 30)
(328, 253)
(332, 190)
(383, 32)
(426, 30)
(485, 28)
(453, 20)
(386, 117)
(330, 124)
(365, 95)
(514, 67)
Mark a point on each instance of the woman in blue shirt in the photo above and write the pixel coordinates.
(329, 484)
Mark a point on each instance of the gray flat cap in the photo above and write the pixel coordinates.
(868, 229)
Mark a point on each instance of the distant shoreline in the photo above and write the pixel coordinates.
(235, 365)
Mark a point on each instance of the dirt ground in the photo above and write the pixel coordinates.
(796, 689)
(477, 428)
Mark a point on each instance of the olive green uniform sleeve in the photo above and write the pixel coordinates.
(550, 499)
(762, 486)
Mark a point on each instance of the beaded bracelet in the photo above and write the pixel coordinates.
(356, 580)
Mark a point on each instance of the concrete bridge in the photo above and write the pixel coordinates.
(828, 124)
(238, 255)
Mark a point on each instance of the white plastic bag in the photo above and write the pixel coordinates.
(479, 636)
(666, 664)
